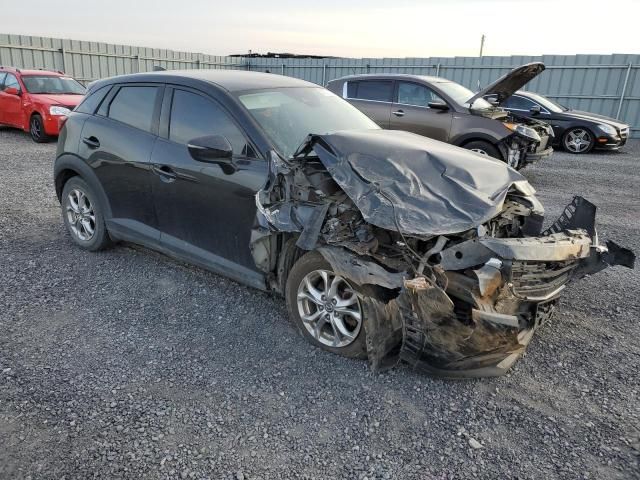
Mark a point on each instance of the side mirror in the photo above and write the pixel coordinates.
(438, 106)
(211, 149)
(535, 110)
(12, 91)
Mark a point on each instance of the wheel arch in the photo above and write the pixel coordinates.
(69, 166)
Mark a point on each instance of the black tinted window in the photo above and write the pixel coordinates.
(414, 94)
(380, 90)
(134, 106)
(91, 101)
(518, 103)
(195, 116)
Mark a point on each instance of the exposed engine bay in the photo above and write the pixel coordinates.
(448, 251)
(530, 141)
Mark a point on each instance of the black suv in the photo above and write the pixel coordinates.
(386, 245)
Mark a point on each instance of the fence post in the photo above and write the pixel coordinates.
(624, 90)
(324, 74)
(283, 67)
(64, 63)
(438, 70)
(138, 60)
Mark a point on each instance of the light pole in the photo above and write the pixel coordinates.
(481, 44)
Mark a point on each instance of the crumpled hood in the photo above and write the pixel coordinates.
(400, 180)
(510, 83)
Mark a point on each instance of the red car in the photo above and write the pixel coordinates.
(37, 101)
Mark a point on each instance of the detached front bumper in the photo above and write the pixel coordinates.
(498, 292)
(474, 313)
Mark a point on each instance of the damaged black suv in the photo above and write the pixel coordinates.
(386, 245)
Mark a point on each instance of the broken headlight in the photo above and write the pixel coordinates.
(524, 131)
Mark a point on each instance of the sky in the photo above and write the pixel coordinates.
(357, 28)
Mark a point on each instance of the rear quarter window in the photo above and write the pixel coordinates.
(93, 100)
(378, 90)
(134, 106)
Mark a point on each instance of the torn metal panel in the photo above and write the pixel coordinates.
(360, 270)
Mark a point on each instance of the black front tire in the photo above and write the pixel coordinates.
(92, 212)
(577, 149)
(36, 129)
(308, 264)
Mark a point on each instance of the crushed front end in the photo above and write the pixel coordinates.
(448, 252)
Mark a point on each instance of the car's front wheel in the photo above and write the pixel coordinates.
(325, 307)
(36, 129)
(83, 215)
(578, 140)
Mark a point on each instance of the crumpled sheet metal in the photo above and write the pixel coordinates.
(421, 186)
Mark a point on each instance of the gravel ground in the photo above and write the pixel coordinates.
(127, 364)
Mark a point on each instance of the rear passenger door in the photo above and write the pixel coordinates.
(205, 210)
(117, 143)
(411, 112)
(372, 97)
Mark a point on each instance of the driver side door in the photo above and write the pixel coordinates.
(205, 210)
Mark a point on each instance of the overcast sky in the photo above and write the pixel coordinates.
(356, 28)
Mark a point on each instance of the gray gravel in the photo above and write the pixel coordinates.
(128, 364)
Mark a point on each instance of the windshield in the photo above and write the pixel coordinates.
(50, 84)
(548, 104)
(288, 115)
(461, 95)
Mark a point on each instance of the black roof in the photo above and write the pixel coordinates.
(230, 80)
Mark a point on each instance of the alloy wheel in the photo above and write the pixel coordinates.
(80, 215)
(578, 140)
(36, 129)
(329, 308)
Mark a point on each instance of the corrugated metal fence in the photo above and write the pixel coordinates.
(605, 84)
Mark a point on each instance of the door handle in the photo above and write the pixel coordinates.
(92, 141)
(165, 173)
(398, 113)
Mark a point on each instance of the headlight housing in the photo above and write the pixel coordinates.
(58, 110)
(524, 131)
(608, 129)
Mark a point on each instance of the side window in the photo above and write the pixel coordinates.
(134, 106)
(414, 94)
(93, 100)
(519, 103)
(379, 90)
(193, 116)
(11, 81)
(2, 75)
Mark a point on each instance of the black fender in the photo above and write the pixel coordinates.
(67, 166)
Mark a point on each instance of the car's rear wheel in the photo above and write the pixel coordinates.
(578, 140)
(483, 148)
(325, 307)
(36, 129)
(83, 215)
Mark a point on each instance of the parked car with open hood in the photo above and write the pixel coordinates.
(37, 101)
(574, 130)
(444, 110)
(385, 244)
